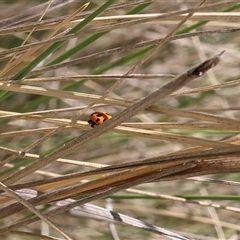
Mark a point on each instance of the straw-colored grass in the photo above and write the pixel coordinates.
(168, 74)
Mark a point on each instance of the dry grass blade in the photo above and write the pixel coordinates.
(14, 207)
(34, 210)
(178, 82)
(118, 217)
(99, 55)
(165, 130)
(174, 16)
(32, 12)
(31, 51)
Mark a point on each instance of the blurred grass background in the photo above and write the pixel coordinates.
(110, 46)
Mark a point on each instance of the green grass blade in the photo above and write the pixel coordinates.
(124, 60)
(56, 45)
(69, 53)
(200, 23)
(79, 47)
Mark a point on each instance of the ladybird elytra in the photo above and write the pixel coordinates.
(97, 118)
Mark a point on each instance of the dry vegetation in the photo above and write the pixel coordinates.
(168, 73)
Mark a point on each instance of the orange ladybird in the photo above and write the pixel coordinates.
(97, 118)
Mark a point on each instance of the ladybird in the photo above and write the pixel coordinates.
(97, 118)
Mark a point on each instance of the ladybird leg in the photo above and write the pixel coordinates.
(93, 125)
